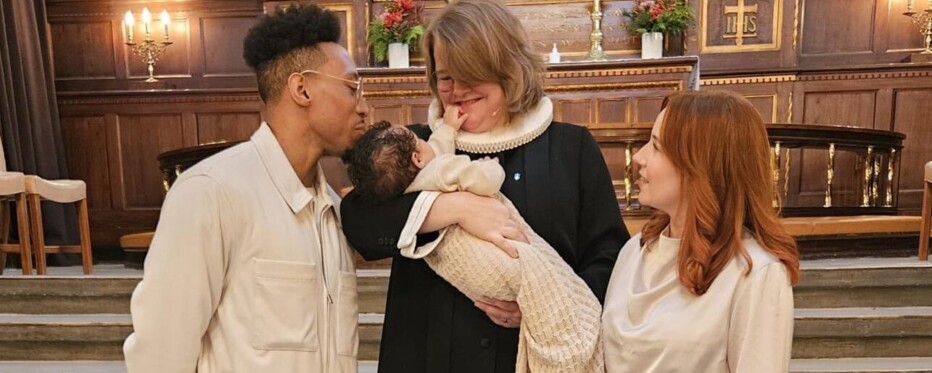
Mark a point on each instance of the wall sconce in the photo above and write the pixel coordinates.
(922, 20)
(148, 49)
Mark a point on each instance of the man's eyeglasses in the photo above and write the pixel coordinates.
(357, 82)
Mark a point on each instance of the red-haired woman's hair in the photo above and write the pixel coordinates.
(718, 143)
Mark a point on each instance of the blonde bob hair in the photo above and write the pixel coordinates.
(483, 42)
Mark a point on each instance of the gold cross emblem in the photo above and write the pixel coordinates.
(740, 22)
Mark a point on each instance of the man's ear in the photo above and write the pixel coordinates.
(297, 88)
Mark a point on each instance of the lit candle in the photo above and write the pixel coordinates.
(128, 21)
(165, 21)
(597, 6)
(909, 6)
(146, 18)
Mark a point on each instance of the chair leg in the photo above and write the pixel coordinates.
(4, 231)
(926, 222)
(86, 258)
(22, 222)
(38, 240)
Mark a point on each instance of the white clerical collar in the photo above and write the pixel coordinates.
(522, 130)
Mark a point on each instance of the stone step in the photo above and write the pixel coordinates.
(829, 283)
(82, 366)
(864, 282)
(863, 332)
(859, 365)
(819, 333)
(852, 365)
(101, 336)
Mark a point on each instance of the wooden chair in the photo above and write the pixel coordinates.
(60, 191)
(12, 189)
(926, 227)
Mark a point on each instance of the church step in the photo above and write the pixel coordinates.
(819, 333)
(863, 332)
(852, 365)
(101, 336)
(864, 282)
(82, 366)
(859, 282)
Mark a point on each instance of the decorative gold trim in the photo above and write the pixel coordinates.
(156, 100)
(861, 76)
(773, 104)
(775, 173)
(619, 72)
(789, 109)
(629, 176)
(397, 93)
(868, 173)
(350, 30)
(677, 85)
(777, 30)
(796, 11)
(829, 175)
(888, 200)
(749, 80)
(420, 79)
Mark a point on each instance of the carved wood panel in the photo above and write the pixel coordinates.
(911, 115)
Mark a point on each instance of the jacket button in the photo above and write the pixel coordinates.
(485, 343)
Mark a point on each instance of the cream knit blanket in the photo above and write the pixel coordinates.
(561, 318)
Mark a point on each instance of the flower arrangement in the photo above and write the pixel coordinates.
(666, 16)
(399, 23)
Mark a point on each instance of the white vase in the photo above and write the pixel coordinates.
(652, 45)
(398, 55)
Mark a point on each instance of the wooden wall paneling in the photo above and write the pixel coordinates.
(83, 49)
(87, 160)
(222, 43)
(142, 138)
(838, 27)
(646, 109)
(189, 129)
(394, 113)
(911, 115)
(575, 111)
(612, 113)
(419, 112)
(226, 127)
(902, 36)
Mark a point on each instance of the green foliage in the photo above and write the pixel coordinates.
(666, 16)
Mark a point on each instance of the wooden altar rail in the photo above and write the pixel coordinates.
(878, 153)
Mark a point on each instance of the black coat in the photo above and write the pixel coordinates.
(561, 186)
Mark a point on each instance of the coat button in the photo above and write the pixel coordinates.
(485, 343)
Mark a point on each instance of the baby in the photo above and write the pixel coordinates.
(561, 318)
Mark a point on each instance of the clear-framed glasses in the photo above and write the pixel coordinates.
(357, 82)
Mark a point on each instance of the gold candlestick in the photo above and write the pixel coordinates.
(595, 38)
(148, 49)
(922, 20)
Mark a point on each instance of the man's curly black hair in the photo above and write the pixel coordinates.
(285, 42)
(380, 164)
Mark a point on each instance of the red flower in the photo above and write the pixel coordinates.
(391, 18)
(405, 4)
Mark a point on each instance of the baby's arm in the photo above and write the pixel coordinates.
(443, 139)
(458, 173)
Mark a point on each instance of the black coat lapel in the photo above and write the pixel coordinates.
(538, 184)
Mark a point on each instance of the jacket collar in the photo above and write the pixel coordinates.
(522, 130)
(283, 176)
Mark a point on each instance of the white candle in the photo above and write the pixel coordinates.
(165, 21)
(597, 7)
(146, 19)
(128, 21)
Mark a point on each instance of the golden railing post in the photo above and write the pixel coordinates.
(888, 199)
(775, 172)
(875, 189)
(868, 174)
(628, 176)
(830, 175)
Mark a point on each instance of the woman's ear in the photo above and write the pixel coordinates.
(297, 89)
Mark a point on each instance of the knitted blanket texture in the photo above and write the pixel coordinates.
(561, 318)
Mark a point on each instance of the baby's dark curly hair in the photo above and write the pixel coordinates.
(285, 42)
(380, 164)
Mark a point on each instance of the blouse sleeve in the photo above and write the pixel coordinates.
(761, 328)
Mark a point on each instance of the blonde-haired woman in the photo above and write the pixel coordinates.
(707, 284)
(479, 61)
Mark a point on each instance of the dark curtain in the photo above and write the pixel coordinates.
(29, 122)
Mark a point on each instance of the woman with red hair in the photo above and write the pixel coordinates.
(707, 284)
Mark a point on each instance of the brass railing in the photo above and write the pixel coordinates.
(877, 168)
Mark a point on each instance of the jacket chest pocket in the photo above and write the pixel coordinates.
(285, 305)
